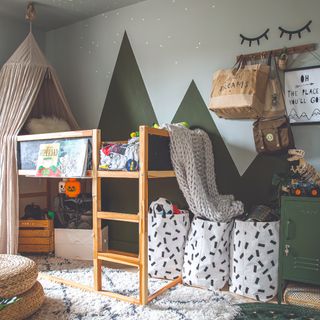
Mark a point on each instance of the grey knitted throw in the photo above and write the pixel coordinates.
(193, 163)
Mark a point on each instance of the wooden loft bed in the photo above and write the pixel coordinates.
(154, 158)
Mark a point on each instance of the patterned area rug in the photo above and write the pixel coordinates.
(179, 303)
(264, 311)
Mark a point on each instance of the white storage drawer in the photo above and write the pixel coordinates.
(77, 243)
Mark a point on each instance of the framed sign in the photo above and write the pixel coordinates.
(302, 94)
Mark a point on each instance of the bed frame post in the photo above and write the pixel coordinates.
(143, 215)
(96, 206)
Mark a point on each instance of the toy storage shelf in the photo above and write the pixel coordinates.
(30, 172)
(155, 163)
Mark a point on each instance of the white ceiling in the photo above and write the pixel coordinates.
(52, 14)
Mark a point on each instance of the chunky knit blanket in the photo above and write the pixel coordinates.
(193, 163)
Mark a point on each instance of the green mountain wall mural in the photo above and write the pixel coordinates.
(126, 107)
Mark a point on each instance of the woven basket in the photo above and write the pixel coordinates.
(306, 296)
(17, 275)
(29, 303)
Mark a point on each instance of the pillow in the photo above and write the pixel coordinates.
(46, 125)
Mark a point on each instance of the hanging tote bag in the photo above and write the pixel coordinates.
(254, 259)
(239, 93)
(167, 234)
(274, 103)
(272, 135)
(206, 260)
(272, 132)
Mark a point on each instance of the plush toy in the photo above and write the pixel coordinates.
(162, 206)
(134, 134)
(73, 188)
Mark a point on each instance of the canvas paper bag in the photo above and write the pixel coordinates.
(167, 234)
(239, 93)
(206, 260)
(254, 259)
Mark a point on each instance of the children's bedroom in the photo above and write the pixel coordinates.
(159, 159)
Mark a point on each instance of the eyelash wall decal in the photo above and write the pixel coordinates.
(250, 40)
(298, 31)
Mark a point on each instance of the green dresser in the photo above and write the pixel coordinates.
(299, 252)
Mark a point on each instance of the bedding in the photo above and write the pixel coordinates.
(118, 156)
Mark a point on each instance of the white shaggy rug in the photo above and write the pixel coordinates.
(179, 303)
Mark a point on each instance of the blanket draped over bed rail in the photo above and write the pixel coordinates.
(193, 162)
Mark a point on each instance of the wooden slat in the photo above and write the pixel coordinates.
(26, 172)
(34, 233)
(87, 288)
(118, 174)
(119, 257)
(56, 135)
(34, 248)
(143, 215)
(157, 132)
(32, 174)
(35, 224)
(96, 206)
(276, 52)
(128, 217)
(29, 240)
(165, 288)
(161, 174)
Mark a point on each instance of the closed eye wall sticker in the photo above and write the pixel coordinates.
(298, 31)
(257, 39)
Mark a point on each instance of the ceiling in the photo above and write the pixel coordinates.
(52, 14)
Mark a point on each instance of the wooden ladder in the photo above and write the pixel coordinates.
(141, 260)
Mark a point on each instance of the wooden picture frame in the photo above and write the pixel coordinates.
(302, 94)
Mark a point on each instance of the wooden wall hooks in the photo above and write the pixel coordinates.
(276, 52)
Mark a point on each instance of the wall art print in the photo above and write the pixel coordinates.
(302, 94)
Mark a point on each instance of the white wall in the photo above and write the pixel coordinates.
(176, 41)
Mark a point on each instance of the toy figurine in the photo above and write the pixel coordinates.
(72, 188)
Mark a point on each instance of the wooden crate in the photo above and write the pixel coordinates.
(36, 236)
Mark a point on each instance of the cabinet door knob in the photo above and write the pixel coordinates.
(286, 249)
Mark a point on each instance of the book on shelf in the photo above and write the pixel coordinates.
(65, 158)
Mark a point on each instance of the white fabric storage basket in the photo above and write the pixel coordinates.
(206, 260)
(167, 236)
(254, 259)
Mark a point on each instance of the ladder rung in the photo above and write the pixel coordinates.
(126, 258)
(118, 174)
(161, 174)
(128, 217)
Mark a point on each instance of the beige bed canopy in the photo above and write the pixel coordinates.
(29, 87)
